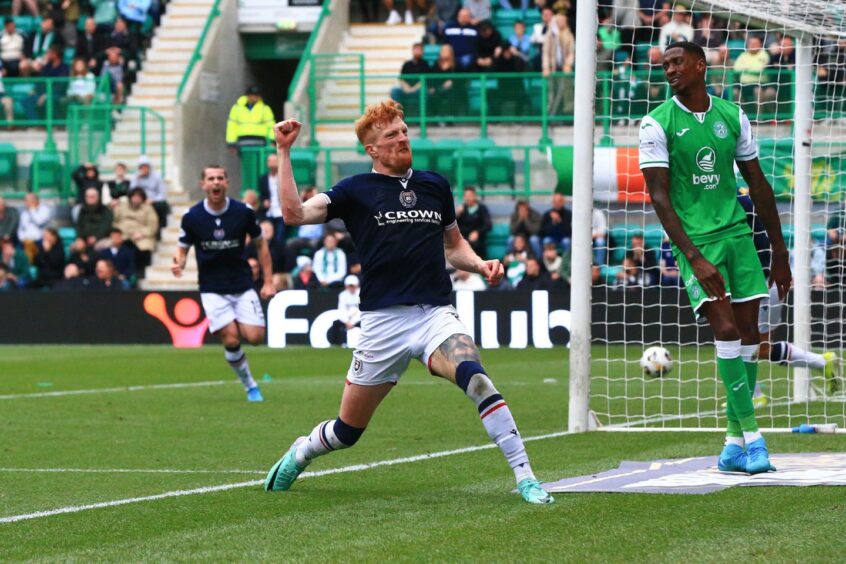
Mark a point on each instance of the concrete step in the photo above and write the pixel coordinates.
(189, 3)
(363, 43)
(161, 66)
(171, 43)
(347, 88)
(153, 90)
(398, 31)
(175, 285)
(169, 55)
(179, 32)
(183, 21)
(160, 77)
(185, 9)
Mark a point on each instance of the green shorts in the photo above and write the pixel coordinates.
(737, 260)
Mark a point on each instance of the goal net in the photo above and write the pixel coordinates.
(784, 63)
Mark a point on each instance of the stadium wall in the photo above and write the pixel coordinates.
(218, 79)
(500, 319)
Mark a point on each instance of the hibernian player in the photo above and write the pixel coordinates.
(688, 148)
(771, 315)
(217, 227)
(402, 222)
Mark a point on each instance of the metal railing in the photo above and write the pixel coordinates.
(488, 98)
(512, 170)
(46, 102)
(196, 56)
(91, 129)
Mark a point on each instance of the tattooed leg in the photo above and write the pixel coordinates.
(452, 352)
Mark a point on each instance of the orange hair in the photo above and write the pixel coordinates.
(377, 116)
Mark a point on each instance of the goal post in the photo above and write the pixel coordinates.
(796, 105)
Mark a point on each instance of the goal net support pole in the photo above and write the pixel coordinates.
(580, 292)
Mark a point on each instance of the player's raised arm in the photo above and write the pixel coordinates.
(293, 210)
(658, 185)
(461, 255)
(765, 207)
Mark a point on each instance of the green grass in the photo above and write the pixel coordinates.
(456, 508)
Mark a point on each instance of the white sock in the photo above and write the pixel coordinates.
(237, 359)
(799, 357)
(753, 436)
(323, 440)
(500, 425)
(735, 441)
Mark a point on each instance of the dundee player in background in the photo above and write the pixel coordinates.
(218, 227)
(688, 147)
(402, 222)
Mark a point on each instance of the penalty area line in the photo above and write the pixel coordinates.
(117, 390)
(252, 483)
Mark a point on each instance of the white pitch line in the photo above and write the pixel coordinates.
(225, 487)
(127, 471)
(116, 390)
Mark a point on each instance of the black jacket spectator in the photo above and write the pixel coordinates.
(95, 220)
(50, 259)
(85, 177)
(474, 221)
(557, 223)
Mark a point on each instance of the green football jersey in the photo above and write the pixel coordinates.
(700, 150)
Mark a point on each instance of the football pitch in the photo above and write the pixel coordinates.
(152, 453)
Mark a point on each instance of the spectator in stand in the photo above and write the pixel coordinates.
(480, 10)
(394, 17)
(710, 37)
(330, 263)
(85, 176)
(138, 221)
(16, 261)
(7, 282)
(640, 268)
(831, 77)
(9, 219)
(119, 185)
(599, 233)
(113, 68)
(751, 65)
(121, 255)
(535, 277)
(444, 98)
(70, 13)
(72, 280)
(269, 194)
(557, 223)
(95, 220)
(135, 14)
(83, 257)
(250, 122)
(526, 221)
(539, 34)
(554, 264)
(442, 14)
(783, 52)
(515, 260)
(345, 330)
(154, 188)
(625, 18)
(54, 67)
(463, 280)
(31, 6)
(474, 221)
(407, 93)
(123, 39)
(50, 260)
(461, 36)
(650, 21)
(252, 201)
(34, 219)
(608, 41)
(488, 46)
(520, 42)
(667, 265)
(38, 48)
(6, 102)
(82, 85)
(89, 44)
(559, 55)
(677, 29)
(12, 51)
(106, 278)
(105, 14)
(510, 97)
(304, 278)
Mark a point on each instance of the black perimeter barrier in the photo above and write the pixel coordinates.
(652, 315)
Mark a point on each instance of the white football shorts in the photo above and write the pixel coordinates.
(223, 309)
(392, 336)
(770, 312)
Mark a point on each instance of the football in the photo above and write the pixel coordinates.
(656, 362)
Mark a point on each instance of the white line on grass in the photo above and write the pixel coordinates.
(224, 487)
(127, 471)
(116, 390)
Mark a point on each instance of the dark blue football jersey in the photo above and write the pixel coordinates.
(762, 242)
(397, 225)
(218, 240)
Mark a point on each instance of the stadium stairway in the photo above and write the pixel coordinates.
(156, 87)
(385, 49)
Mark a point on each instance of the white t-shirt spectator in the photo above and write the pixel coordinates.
(673, 31)
(33, 221)
(348, 311)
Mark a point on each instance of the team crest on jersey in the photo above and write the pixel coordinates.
(357, 366)
(219, 234)
(408, 198)
(720, 130)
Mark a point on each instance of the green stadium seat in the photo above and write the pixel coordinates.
(27, 25)
(8, 165)
(67, 235)
(423, 152)
(474, 94)
(46, 172)
(472, 161)
(736, 47)
(69, 54)
(497, 167)
(445, 151)
(431, 52)
(497, 243)
(304, 163)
